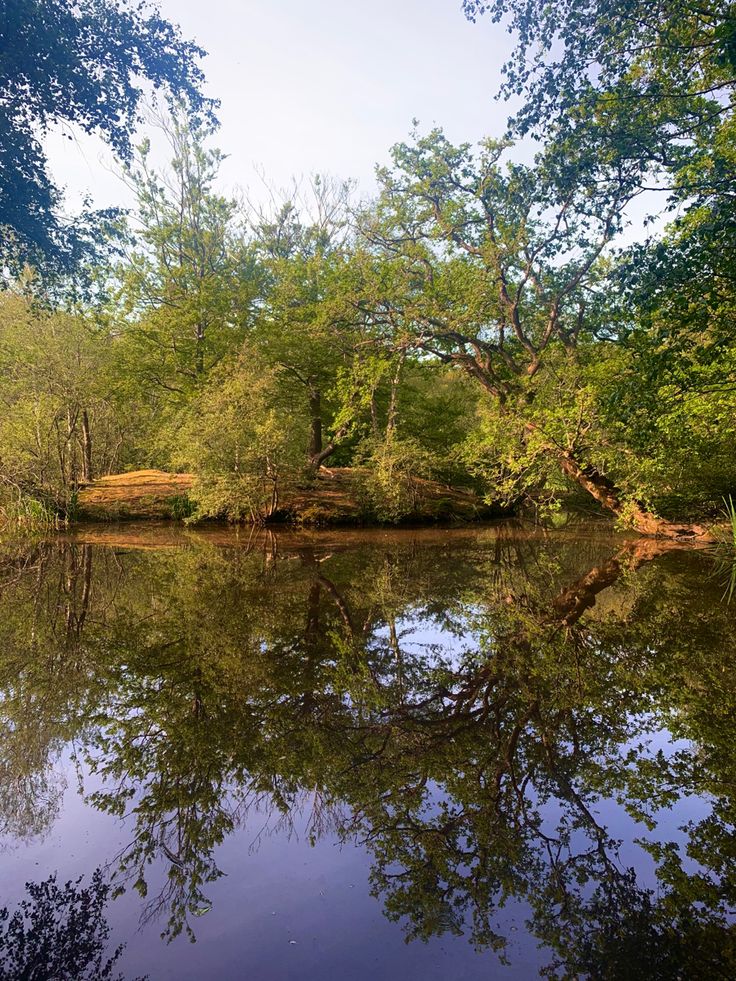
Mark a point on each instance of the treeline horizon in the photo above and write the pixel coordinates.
(478, 322)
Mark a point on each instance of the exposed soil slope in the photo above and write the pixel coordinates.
(140, 494)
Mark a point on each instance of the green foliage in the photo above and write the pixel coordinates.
(244, 449)
(729, 509)
(85, 63)
(626, 94)
(57, 387)
(20, 516)
(670, 405)
(306, 328)
(390, 478)
(472, 323)
(436, 407)
(182, 507)
(725, 549)
(189, 283)
(624, 84)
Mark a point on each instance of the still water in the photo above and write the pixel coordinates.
(497, 753)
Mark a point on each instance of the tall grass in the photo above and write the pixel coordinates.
(729, 512)
(26, 516)
(726, 550)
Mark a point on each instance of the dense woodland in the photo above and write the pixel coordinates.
(481, 321)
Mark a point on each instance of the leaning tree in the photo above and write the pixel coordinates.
(497, 268)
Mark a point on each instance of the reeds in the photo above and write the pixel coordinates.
(26, 516)
(726, 550)
(729, 511)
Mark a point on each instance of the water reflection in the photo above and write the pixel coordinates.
(59, 931)
(471, 707)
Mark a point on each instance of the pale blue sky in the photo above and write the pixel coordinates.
(322, 85)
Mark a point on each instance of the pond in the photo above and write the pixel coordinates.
(495, 752)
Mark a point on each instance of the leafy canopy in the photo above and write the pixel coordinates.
(84, 63)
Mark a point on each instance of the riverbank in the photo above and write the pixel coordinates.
(332, 499)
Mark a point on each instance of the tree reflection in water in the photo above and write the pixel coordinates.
(462, 704)
(59, 932)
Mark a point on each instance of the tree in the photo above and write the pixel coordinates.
(649, 87)
(62, 419)
(305, 330)
(650, 83)
(187, 290)
(188, 286)
(244, 448)
(84, 63)
(503, 278)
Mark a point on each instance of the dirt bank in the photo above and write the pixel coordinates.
(332, 499)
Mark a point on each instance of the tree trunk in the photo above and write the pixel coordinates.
(315, 423)
(393, 402)
(375, 428)
(86, 448)
(317, 459)
(71, 443)
(609, 497)
(274, 504)
(318, 452)
(199, 349)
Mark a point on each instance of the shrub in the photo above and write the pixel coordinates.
(389, 486)
(243, 448)
(182, 507)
